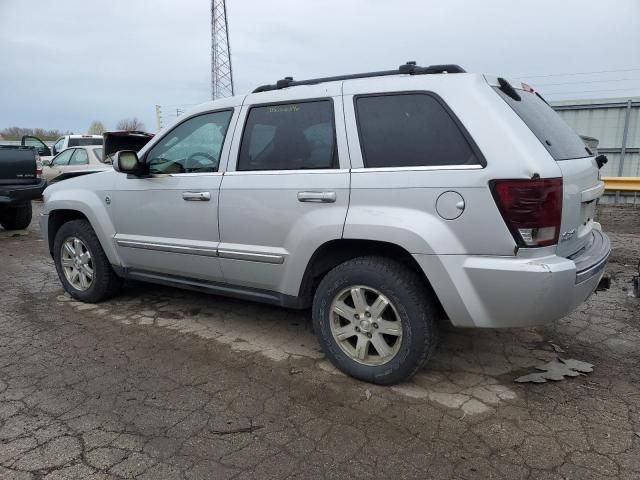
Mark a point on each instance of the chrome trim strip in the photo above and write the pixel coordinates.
(284, 172)
(194, 174)
(251, 256)
(205, 252)
(418, 169)
(593, 270)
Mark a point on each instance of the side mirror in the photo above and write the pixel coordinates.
(46, 163)
(126, 161)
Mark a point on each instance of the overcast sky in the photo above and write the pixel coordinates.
(68, 62)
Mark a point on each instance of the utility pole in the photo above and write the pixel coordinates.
(159, 116)
(221, 73)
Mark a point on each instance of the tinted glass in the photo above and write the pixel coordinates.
(77, 142)
(63, 158)
(555, 135)
(289, 137)
(410, 130)
(192, 147)
(80, 157)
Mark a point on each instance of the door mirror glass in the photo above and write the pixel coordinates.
(126, 161)
(46, 162)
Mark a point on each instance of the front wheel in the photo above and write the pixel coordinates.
(82, 266)
(375, 320)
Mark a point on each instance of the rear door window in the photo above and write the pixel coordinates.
(410, 130)
(294, 136)
(555, 135)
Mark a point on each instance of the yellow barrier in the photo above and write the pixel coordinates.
(622, 184)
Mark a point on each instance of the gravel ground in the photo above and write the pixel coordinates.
(161, 384)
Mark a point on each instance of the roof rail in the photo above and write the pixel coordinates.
(408, 68)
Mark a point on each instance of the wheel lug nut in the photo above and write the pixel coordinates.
(367, 314)
(358, 329)
(356, 316)
(375, 325)
(369, 335)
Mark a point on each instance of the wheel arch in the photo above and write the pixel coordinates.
(60, 216)
(334, 252)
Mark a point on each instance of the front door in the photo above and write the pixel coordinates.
(58, 164)
(167, 223)
(286, 191)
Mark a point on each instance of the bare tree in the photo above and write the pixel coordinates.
(130, 124)
(96, 128)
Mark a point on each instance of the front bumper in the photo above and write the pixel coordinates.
(498, 292)
(43, 222)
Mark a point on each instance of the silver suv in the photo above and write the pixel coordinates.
(383, 201)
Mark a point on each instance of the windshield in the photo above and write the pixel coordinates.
(555, 135)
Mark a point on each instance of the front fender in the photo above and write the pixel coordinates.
(74, 196)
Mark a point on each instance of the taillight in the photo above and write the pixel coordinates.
(38, 166)
(532, 209)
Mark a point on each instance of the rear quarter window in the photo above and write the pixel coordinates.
(410, 130)
(560, 140)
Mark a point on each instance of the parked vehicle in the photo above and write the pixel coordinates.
(380, 200)
(74, 160)
(60, 144)
(20, 182)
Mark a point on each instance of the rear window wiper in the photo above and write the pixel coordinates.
(508, 89)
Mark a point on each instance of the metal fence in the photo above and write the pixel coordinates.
(615, 122)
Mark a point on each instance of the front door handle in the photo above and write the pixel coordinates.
(318, 197)
(196, 196)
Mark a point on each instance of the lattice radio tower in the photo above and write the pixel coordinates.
(221, 73)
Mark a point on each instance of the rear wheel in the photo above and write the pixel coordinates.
(82, 266)
(375, 320)
(16, 218)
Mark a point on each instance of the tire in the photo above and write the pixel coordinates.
(410, 303)
(16, 218)
(104, 282)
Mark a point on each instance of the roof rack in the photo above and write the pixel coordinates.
(408, 68)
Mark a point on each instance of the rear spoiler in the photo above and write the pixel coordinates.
(113, 142)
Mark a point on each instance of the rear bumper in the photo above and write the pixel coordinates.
(10, 194)
(497, 292)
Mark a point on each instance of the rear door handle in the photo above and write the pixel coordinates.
(317, 197)
(196, 196)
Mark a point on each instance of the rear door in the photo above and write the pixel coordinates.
(580, 179)
(286, 191)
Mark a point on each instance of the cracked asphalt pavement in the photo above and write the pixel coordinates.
(161, 384)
